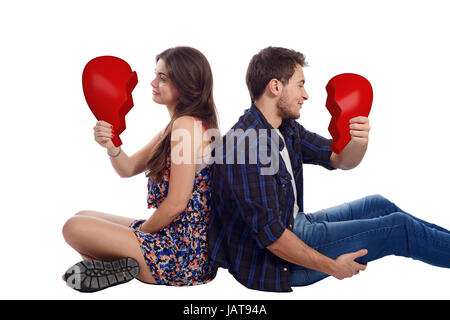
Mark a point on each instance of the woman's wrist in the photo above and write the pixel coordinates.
(114, 152)
(143, 227)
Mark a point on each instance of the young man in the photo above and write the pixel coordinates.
(258, 230)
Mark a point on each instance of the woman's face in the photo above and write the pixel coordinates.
(164, 91)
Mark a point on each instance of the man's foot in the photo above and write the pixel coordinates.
(95, 275)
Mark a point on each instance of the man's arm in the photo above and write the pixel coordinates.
(291, 248)
(315, 148)
(350, 157)
(354, 151)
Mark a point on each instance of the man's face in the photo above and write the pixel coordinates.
(292, 96)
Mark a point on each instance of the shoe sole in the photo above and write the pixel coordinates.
(95, 275)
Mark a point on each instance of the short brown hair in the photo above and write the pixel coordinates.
(271, 63)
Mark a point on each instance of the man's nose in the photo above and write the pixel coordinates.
(305, 94)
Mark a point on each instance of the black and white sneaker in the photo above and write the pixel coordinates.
(95, 275)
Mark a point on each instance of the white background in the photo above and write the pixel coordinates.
(51, 167)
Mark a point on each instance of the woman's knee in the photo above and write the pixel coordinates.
(72, 228)
(83, 213)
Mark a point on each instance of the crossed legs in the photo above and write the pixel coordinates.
(106, 237)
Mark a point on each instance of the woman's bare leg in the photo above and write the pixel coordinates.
(124, 221)
(104, 240)
(105, 216)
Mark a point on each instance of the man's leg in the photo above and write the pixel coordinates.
(396, 233)
(368, 207)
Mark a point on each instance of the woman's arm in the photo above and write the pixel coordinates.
(128, 167)
(182, 175)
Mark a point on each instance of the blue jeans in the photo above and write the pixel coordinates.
(373, 223)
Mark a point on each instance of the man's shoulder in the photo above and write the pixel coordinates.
(247, 126)
(246, 121)
(240, 144)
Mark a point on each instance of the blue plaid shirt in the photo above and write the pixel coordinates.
(251, 210)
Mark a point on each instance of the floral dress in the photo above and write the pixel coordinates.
(178, 254)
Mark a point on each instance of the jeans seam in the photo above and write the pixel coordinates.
(351, 211)
(308, 280)
(382, 211)
(356, 235)
(365, 216)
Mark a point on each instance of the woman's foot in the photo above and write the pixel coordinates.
(95, 275)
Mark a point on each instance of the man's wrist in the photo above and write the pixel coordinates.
(331, 266)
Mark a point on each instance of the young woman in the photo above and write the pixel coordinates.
(170, 247)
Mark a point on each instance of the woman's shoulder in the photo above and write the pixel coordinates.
(195, 129)
(189, 124)
(186, 122)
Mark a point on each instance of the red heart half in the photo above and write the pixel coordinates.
(107, 85)
(349, 95)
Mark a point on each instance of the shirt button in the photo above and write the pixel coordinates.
(290, 226)
(285, 269)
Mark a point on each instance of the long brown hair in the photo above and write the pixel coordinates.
(190, 72)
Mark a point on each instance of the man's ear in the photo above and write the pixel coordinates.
(274, 87)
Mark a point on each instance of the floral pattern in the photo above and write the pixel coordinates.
(178, 254)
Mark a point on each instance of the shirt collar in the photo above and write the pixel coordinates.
(286, 127)
(260, 117)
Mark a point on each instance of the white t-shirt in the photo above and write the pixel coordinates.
(285, 155)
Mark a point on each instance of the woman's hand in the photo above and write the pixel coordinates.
(142, 228)
(103, 134)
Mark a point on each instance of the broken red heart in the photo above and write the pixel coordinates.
(107, 85)
(349, 95)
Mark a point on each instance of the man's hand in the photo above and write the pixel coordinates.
(346, 267)
(354, 151)
(359, 130)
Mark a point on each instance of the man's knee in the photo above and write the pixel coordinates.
(400, 218)
(383, 202)
(379, 197)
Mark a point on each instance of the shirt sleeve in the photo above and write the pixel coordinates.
(256, 199)
(315, 148)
